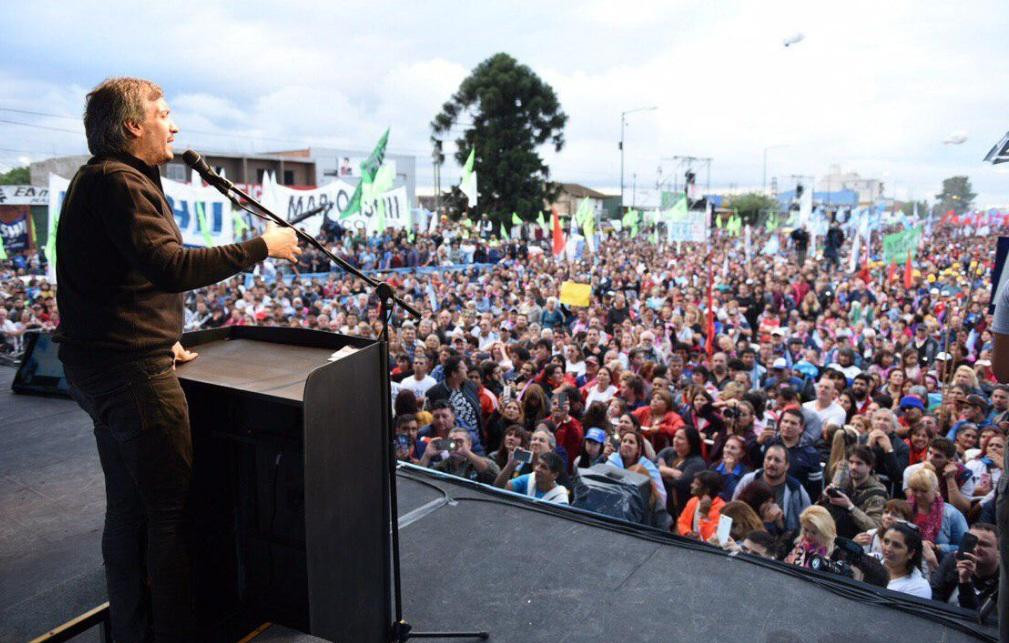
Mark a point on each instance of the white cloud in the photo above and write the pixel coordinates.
(874, 86)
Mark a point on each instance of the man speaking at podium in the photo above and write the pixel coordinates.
(121, 270)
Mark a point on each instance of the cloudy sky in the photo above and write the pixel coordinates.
(874, 87)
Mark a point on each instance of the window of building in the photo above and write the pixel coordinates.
(288, 177)
(176, 172)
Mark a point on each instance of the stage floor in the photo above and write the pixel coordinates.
(471, 561)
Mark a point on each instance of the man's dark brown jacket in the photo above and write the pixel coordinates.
(121, 267)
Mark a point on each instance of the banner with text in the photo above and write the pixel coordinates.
(195, 205)
(688, 226)
(14, 228)
(329, 201)
(23, 195)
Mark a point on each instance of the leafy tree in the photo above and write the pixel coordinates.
(15, 176)
(507, 112)
(908, 208)
(956, 195)
(753, 207)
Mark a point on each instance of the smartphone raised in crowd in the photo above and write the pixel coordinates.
(523, 456)
(967, 545)
(444, 444)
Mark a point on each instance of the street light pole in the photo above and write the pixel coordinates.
(769, 147)
(623, 123)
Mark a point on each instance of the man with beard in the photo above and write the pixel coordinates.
(789, 493)
(857, 506)
(861, 390)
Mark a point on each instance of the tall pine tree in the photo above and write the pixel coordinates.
(507, 112)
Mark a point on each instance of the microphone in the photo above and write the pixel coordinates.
(196, 162)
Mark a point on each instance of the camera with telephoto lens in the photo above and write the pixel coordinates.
(849, 554)
(731, 413)
(824, 564)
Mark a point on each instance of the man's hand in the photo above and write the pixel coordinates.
(949, 471)
(772, 513)
(765, 436)
(842, 500)
(281, 243)
(863, 538)
(965, 567)
(181, 355)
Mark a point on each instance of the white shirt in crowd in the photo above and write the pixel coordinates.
(419, 387)
(833, 414)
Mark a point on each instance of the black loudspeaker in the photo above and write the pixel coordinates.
(619, 493)
(290, 473)
(40, 371)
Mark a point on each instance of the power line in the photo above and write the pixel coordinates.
(250, 137)
(45, 127)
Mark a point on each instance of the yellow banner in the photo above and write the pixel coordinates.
(575, 294)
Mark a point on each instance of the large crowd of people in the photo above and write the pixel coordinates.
(845, 420)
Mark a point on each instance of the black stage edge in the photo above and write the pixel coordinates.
(472, 557)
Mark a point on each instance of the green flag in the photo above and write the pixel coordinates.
(201, 218)
(369, 168)
(516, 219)
(585, 211)
(504, 232)
(3, 251)
(410, 236)
(468, 183)
(238, 222)
(718, 221)
(631, 220)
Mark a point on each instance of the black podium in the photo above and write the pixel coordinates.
(290, 483)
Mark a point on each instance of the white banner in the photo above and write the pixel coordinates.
(186, 199)
(291, 204)
(23, 195)
(58, 188)
(690, 227)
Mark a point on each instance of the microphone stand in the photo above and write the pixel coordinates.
(400, 630)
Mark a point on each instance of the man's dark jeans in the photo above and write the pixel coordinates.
(142, 428)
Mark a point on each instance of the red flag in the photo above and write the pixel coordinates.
(709, 328)
(891, 272)
(558, 235)
(908, 273)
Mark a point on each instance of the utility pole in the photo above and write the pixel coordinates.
(437, 158)
(623, 123)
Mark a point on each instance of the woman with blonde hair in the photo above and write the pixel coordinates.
(816, 538)
(942, 526)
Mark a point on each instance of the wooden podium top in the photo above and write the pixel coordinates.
(258, 367)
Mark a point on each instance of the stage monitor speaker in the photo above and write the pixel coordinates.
(619, 493)
(40, 371)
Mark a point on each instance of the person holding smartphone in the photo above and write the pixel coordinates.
(971, 576)
(462, 462)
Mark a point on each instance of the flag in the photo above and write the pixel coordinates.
(468, 183)
(558, 240)
(504, 232)
(773, 246)
(709, 327)
(747, 243)
(575, 294)
(589, 225)
(516, 219)
(3, 251)
(369, 168)
(891, 272)
(1000, 152)
(630, 220)
(432, 223)
(856, 248)
(201, 218)
(908, 273)
(238, 221)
